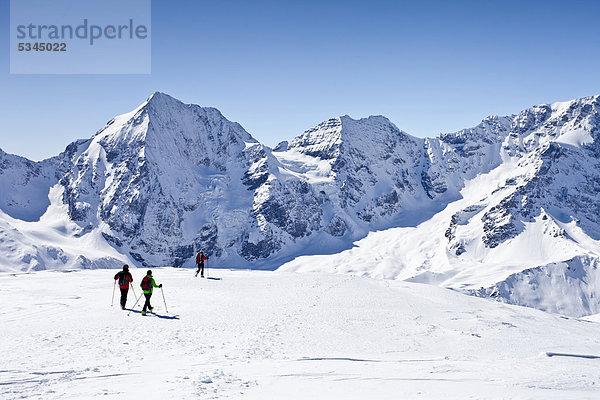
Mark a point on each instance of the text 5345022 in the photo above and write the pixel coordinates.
(27, 46)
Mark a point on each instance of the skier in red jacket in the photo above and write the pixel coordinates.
(124, 278)
(200, 262)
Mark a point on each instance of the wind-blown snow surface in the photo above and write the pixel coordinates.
(268, 335)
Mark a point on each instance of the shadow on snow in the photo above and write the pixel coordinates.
(151, 314)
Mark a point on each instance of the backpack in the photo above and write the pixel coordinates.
(123, 279)
(146, 283)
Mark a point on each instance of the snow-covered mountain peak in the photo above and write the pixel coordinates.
(492, 129)
(162, 97)
(169, 178)
(322, 141)
(564, 116)
(344, 135)
(161, 105)
(378, 127)
(574, 123)
(164, 128)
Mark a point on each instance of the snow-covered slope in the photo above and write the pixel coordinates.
(25, 185)
(53, 242)
(272, 335)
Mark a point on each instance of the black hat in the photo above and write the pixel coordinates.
(149, 272)
(125, 267)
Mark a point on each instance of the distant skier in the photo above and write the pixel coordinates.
(124, 278)
(200, 258)
(148, 284)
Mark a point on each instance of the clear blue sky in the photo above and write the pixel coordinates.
(281, 67)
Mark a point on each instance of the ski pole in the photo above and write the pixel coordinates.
(207, 268)
(138, 299)
(163, 294)
(112, 303)
(133, 291)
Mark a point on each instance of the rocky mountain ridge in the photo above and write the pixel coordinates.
(160, 183)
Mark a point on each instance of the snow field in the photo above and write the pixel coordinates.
(267, 335)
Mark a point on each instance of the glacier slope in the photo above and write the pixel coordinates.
(512, 271)
(258, 335)
(53, 242)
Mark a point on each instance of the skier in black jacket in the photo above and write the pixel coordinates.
(124, 278)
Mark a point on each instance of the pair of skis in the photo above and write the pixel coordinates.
(141, 294)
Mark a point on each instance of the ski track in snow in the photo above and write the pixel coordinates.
(268, 335)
